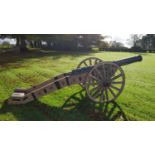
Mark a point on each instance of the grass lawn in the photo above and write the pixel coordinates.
(137, 101)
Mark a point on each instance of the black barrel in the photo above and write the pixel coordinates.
(119, 62)
(128, 60)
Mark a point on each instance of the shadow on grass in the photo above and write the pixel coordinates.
(76, 108)
(14, 56)
(7, 58)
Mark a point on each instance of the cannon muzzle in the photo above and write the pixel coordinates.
(128, 60)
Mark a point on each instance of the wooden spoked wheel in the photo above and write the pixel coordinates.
(89, 62)
(105, 82)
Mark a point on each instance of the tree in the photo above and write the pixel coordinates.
(104, 44)
(20, 40)
(88, 40)
(148, 42)
(134, 39)
(76, 41)
(6, 44)
(56, 41)
(115, 44)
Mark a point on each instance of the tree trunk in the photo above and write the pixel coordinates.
(23, 47)
(34, 43)
(17, 41)
(31, 43)
(41, 44)
(48, 44)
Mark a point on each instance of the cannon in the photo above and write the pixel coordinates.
(103, 81)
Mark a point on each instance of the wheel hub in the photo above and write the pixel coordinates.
(106, 84)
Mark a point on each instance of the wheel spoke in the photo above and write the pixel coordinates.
(98, 72)
(112, 92)
(85, 63)
(115, 77)
(94, 89)
(119, 82)
(115, 88)
(97, 93)
(95, 78)
(90, 62)
(96, 61)
(92, 81)
(106, 93)
(102, 95)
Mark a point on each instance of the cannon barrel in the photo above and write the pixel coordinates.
(119, 62)
(128, 60)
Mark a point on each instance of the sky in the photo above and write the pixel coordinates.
(119, 38)
(12, 41)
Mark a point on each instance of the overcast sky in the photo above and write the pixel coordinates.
(119, 37)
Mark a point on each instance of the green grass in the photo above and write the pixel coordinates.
(137, 101)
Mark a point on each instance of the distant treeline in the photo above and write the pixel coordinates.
(57, 42)
(77, 42)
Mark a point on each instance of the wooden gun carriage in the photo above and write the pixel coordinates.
(103, 81)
